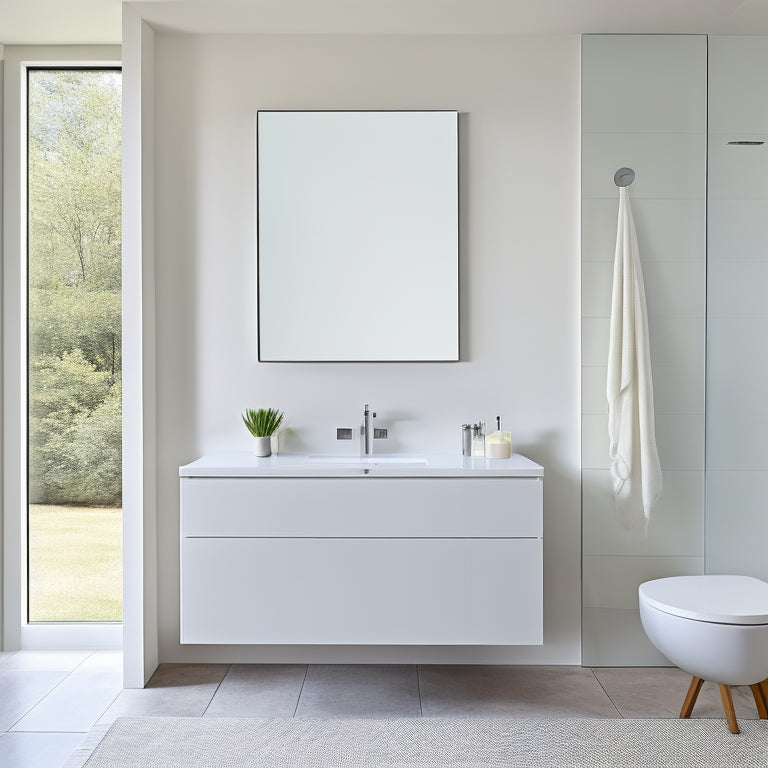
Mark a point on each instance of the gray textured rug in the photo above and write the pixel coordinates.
(168, 742)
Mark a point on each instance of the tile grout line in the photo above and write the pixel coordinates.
(117, 695)
(213, 695)
(67, 675)
(418, 688)
(108, 707)
(88, 656)
(618, 711)
(301, 690)
(38, 703)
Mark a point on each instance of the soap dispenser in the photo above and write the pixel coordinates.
(478, 439)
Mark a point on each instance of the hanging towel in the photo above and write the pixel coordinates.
(635, 466)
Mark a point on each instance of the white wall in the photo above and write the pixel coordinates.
(644, 104)
(737, 310)
(519, 167)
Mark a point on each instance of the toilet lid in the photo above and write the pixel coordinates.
(719, 599)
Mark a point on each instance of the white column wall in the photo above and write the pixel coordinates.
(140, 619)
(643, 106)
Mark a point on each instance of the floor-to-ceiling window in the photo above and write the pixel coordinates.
(74, 564)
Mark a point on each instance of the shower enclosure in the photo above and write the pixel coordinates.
(680, 110)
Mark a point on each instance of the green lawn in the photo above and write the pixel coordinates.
(75, 563)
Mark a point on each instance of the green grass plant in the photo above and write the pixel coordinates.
(75, 563)
(264, 422)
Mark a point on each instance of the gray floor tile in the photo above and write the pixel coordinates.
(360, 690)
(175, 690)
(77, 702)
(21, 690)
(181, 675)
(660, 692)
(258, 690)
(493, 691)
(37, 750)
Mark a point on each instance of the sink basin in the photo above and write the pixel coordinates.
(367, 461)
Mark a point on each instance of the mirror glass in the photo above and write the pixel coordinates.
(358, 236)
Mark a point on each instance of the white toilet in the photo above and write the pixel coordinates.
(715, 628)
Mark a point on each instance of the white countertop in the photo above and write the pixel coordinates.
(246, 464)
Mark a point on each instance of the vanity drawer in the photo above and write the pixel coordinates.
(504, 506)
(354, 507)
(322, 507)
(361, 591)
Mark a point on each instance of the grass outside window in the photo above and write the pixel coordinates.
(75, 563)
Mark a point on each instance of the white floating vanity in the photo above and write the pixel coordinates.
(385, 550)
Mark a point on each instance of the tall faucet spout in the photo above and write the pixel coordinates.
(368, 430)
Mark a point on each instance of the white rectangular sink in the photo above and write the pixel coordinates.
(367, 461)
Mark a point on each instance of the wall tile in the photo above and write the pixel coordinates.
(599, 218)
(596, 288)
(670, 230)
(667, 165)
(676, 526)
(614, 637)
(737, 523)
(674, 341)
(680, 441)
(737, 381)
(737, 66)
(672, 289)
(612, 582)
(667, 230)
(594, 442)
(737, 289)
(653, 83)
(675, 289)
(593, 394)
(677, 341)
(678, 389)
(594, 340)
(737, 172)
(737, 230)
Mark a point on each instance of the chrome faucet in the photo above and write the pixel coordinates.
(368, 418)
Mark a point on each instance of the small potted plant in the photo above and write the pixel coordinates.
(262, 424)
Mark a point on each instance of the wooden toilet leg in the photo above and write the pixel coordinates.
(690, 699)
(762, 709)
(730, 714)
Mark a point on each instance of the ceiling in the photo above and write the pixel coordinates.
(98, 21)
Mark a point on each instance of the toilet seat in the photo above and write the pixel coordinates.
(741, 600)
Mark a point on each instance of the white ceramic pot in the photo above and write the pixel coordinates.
(263, 446)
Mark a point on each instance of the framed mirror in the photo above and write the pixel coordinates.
(358, 256)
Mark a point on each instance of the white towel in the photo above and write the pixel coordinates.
(635, 466)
